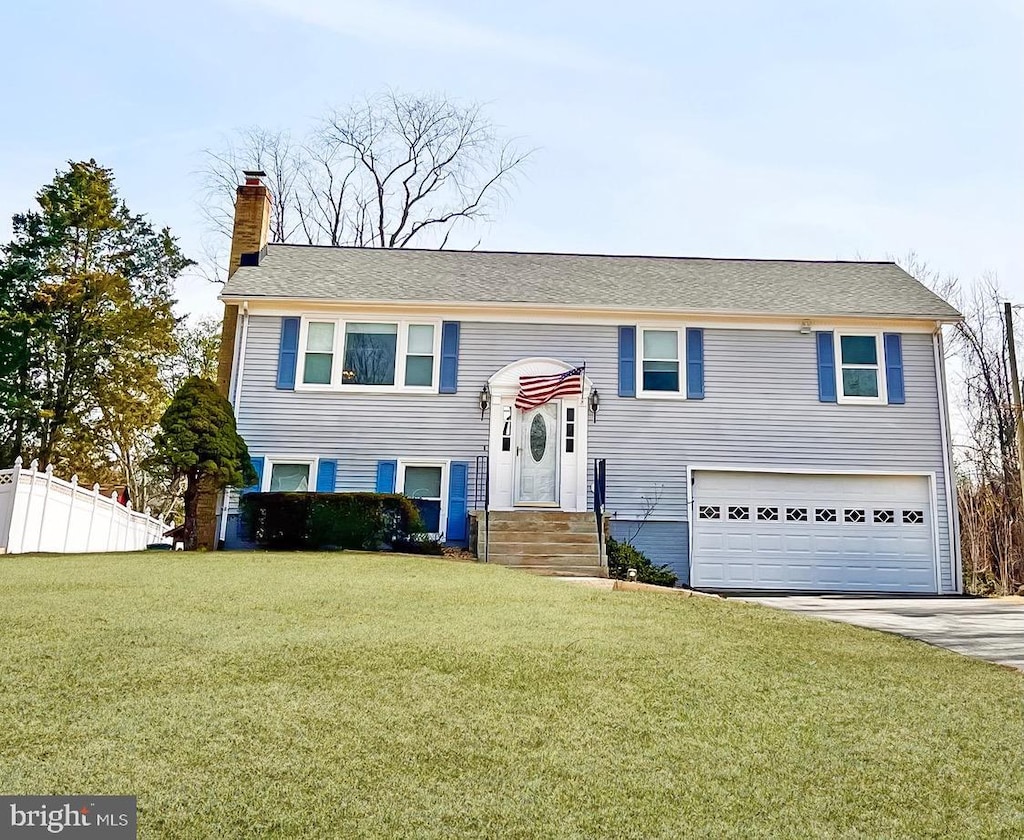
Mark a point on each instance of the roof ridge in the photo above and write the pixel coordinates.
(454, 251)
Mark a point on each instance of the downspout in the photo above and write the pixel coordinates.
(952, 507)
(235, 398)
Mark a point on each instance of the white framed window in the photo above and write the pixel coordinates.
(660, 362)
(369, 355)
(860, 373)
(426, 484)
(289, 474)
(318, 358)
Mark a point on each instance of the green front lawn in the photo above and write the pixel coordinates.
(349, 695)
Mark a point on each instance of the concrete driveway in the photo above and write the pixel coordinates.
(986, 628)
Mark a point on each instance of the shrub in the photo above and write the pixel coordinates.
(420, 544)
(622, 557)
(331, 520)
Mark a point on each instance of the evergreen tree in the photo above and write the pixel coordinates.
(198, 442)
(85, 326)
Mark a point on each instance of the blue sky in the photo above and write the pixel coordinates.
(732, 128)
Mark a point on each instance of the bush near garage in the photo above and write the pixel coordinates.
(622, 557)
(311, 521)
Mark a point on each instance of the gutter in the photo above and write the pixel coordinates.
(953, 317)
(952, 505)
(235, 398)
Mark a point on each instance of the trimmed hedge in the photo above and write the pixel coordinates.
(622, 557)
(313, 521)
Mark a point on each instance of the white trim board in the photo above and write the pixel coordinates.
(519, 313)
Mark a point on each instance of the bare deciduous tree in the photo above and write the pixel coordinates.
(393, 171)
(988, 487)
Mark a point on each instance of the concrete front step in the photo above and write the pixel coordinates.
(550, 540)
(498, 528)
(538, 559)
(512, 550)
(501, 517)
(565, 571)
(540, 538)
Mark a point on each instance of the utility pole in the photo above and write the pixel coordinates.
(1018, 416)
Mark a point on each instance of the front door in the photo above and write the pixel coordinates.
(537, 456)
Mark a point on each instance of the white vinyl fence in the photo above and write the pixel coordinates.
(41, 513)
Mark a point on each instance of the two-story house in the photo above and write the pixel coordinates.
(765, 424)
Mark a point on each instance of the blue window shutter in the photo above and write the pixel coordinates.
(288, 354)
(326, 472)
(894, 368)
(458, 495)
(386, 472)
(449, 357)
(826, 367)
(627, 361)
(695, 364)
(257, 464)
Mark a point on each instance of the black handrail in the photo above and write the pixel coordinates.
(600, 497)
(482, 488)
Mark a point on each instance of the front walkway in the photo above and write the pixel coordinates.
(985, 628)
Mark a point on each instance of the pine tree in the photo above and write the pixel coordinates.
(198, 442)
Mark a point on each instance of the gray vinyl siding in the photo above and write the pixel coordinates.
(665, 543)
(761, 410)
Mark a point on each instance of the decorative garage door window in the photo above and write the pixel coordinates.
(771, 513)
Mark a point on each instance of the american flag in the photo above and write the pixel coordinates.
(537, 390)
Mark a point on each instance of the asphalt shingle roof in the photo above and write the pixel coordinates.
(685, 284)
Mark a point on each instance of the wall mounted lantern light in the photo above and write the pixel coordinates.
(485, 400)
(595, 402)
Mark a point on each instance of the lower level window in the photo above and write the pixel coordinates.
(289, 478)
(423, 486)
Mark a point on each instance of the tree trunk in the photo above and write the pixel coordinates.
(190, 536)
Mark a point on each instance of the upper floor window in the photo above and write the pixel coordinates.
(419, 359)
(373, 355)
(660, 361)
(860, 374)
(319, 357)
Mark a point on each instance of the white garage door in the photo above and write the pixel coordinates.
(870, 533)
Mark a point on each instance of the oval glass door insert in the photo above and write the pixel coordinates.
(538, 437)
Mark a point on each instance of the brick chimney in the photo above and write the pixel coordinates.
(248, 239)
